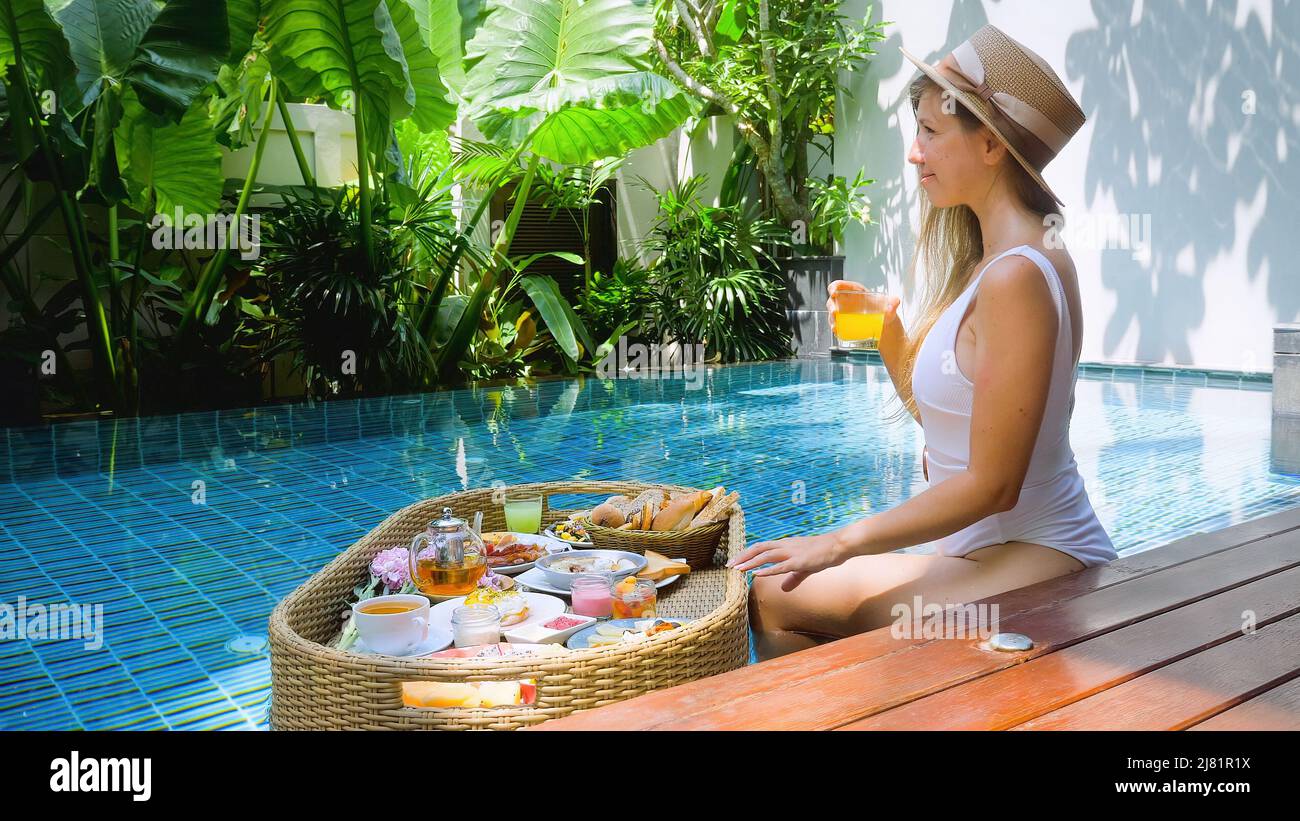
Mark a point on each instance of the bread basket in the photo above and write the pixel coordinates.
(697, 546)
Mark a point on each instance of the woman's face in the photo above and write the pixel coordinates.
(954, 164)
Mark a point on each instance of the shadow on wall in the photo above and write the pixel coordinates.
(1195, 123)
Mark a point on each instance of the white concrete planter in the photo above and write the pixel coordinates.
(328, 141)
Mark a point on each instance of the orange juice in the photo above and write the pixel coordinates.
(858, 327)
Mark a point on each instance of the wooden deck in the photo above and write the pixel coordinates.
(1151, 641)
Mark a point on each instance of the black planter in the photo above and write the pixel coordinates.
(806, 281)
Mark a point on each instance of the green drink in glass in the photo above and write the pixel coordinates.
(523, 511)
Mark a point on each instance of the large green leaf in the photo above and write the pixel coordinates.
(433, 108)
(104, 175)
(175, 165)
(545, 294)
(452, 24)
(179, 55)
(27, 31)
(449, 313)
(243, 17)
(346, 50)
(102, 36)
(239, 99)
(571, 74)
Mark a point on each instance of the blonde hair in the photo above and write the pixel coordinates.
(951, 244)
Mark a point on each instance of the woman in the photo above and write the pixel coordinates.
(1006, 505)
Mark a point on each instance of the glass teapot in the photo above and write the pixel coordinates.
(453, 560)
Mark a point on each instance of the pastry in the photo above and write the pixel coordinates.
(511, 604)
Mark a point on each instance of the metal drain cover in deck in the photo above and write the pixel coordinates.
(1010, 642)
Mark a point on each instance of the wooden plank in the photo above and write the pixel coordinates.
(1275, 709)
(1051, 682)
(859, 687)
(1178, 695)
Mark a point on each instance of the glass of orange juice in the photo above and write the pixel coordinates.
(859, 318)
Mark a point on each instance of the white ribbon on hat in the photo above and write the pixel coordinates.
(968, 63)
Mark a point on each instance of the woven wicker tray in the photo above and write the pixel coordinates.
(316, 687)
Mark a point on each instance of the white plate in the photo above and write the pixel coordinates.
(575, 545)
(535, 579)
(541, 607)
(439, 639)
(552, 545)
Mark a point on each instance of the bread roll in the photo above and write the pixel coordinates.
(606, 515)
(678, 514)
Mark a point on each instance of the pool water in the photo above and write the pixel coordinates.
(188, 529)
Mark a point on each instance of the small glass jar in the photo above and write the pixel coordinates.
(590, 595)
(634, 598)
(475, 624)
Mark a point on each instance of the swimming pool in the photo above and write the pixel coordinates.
(188, 529)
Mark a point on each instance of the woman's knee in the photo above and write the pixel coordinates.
(765, 599)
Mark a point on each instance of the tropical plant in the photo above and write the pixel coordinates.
(514, 342)
(104, 107)
(371, 58)
(347, 316)
(586, 93)
(124, 104)
(836, 201)
(715, 282)
(575, 190)
(775, 66)
(338, 307)
(616, 303)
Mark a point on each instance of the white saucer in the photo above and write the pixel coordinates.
(535, 579)
(541, 607)
(439, 639)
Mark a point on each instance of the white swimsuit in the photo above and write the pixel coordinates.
(1054, 509)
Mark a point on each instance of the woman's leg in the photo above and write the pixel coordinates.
(859, 595)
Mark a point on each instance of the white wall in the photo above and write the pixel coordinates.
(1162, 85)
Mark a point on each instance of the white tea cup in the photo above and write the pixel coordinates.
(392, 625)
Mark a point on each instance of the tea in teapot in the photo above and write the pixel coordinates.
(453, 560)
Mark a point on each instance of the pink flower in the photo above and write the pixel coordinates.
(392, 567)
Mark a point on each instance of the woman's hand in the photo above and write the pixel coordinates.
(885, 303)
(800, 556)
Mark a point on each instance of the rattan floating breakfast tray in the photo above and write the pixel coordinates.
(315, 687)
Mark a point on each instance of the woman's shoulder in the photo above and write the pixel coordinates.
(1018, 275)
(1024, 266)
(1059, 256)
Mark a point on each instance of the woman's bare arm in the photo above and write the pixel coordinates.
(1015, 336)
(893, 344)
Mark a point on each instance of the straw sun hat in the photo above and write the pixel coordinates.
(1014, 92)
